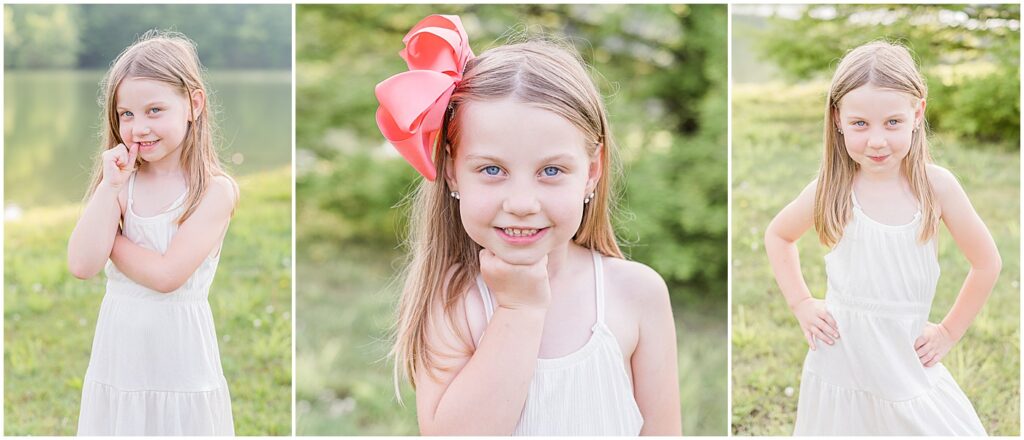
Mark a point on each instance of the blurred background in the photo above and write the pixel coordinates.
(54, 59)
(663, 71)
(783, 59)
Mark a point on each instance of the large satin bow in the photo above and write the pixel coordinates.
(413, 103)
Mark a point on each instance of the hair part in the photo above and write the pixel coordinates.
(888, 66)
(444, 260)
(170, 58)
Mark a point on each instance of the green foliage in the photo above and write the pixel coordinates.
(91, 36)
(49, 316)
(775, 154)
(984, 107)
(676, 196)
(982, 104)
(40, 36)
(365, 190)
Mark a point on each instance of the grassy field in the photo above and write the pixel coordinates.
(345, 302)
(775, 154)
(49, 316)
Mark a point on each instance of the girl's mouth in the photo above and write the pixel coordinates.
(148, 144)
(879, 159)
(521, 235)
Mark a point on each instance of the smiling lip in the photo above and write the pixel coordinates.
(147, 145)
(879, 158)
(521, 235)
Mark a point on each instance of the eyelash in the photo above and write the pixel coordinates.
(128, 114)
(863, 124)
(543, 172)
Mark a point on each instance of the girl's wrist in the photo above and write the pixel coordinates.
(107, 186)
(794, 303)
(952, 330)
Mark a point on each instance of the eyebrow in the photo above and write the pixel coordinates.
(487, 158)
(894, 115)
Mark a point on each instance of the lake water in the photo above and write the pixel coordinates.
(52, 120)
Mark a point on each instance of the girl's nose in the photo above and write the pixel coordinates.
(141, 130)
(522, 203)
(876, 141)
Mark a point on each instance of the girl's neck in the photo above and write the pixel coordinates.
(895, 176)
(559, 259)
(167, 166)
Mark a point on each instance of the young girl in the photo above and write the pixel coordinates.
(519, 314)
(874, 360)
(158, 209)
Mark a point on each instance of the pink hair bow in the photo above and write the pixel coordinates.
(413, 103)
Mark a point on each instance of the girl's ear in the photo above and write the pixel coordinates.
(919, 114)
(198, 99)
(596, 169)
(449, 169)
(835, 117)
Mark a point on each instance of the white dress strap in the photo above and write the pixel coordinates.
(599, 286)
(485, 295)
(131, 188)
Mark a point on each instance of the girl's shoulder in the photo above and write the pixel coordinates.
(942, 181)
(223, 189)
(634, 285)
(946, 188)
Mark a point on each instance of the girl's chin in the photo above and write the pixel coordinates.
(519, 257)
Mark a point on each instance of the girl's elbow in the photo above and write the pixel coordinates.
(169, 283)
(992, 265)
(82, 270)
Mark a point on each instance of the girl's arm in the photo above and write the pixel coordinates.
(483, 392)
(655, 361)
(93, 237)
(780, 243)
(975, 241)
(196, 238)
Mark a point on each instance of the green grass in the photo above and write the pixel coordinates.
(775, 154)
(345, 303)
(49, 316)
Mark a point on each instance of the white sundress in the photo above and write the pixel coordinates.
(881, 282)
(586, 392)
(155, 366)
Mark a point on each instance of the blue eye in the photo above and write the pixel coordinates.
(893, 122)
(492, 170)
(154, 110)
(551, 171)
(860, 123)
(127, 114)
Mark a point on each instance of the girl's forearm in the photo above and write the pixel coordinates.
(93, 237)
(487, 396)
(973, 294)
(785, 261)
(145, 266)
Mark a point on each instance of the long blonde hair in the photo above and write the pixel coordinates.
(444, 260)
(888, 66)
(171, 58)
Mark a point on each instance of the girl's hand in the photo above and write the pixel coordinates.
(516, 286)
(118, 164)
(816, 321)
(933, 344)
